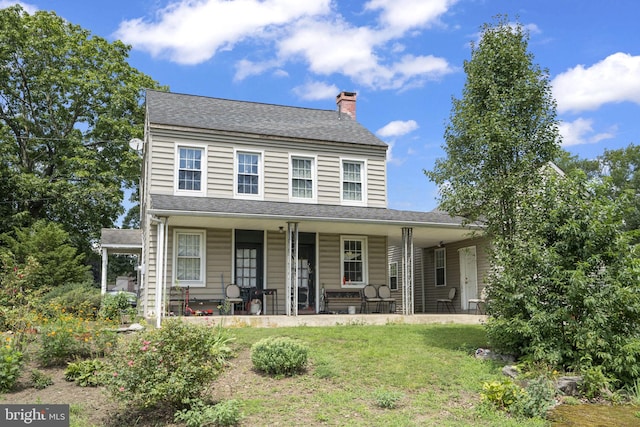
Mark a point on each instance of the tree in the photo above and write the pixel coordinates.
(501, 133)
(49, 246)
(568, 292)
(69, 104)
(619, 170)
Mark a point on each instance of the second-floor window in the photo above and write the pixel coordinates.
(190, 171)
(302, 178)
(352, 181)
(248, 169)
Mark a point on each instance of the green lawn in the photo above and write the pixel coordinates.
(431, 366)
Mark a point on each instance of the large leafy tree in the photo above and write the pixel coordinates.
(567, 292)
(69, 104)
(501, 133)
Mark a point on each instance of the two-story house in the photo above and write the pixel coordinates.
(284, 200)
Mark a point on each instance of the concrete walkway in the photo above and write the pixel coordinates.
(336, 320)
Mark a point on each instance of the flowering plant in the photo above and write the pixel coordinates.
(170, 365)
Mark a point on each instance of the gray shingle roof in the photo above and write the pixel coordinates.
(120, 237)
(218, 206)
(165, 108)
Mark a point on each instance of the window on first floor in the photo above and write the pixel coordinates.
(393, 275)
(354, 261)
(189, 259)
(440, 266)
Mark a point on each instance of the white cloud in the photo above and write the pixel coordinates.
(580, 131)
(314, 91)
(614, 79)
(191, 32)
(402, 15)
(397, 128)
(310, 31)
(29, 8)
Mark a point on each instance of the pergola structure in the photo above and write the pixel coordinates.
(118, 241)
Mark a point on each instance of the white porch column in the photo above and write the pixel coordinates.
(291, 294)
(407, 271)
(160, 256)
(105, 263)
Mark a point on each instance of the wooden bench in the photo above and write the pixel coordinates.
(342, 296)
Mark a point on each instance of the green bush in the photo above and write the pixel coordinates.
(10, 365)
(594, 382)
(79, 299)
(502, 394)
(225, 413)
(536, 400)
(279, 355)
(113, 307)
(86, 373)
(167, 366)
(40, 380)
(387, 399)
(63, 339)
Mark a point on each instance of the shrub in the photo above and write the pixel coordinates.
(279, 355)
(113, 307)
(167, 366)
(536, 400)
(67, 338)
(79, 299)
(594, 382)
(387, 399)
(40, 380)
(86, 373)
(502, 394)
(10, 365)
(225, 413)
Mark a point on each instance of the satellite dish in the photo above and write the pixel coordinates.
(136, 144)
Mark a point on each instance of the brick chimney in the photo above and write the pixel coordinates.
(346, 102)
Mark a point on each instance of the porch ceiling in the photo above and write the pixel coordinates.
(429, 228)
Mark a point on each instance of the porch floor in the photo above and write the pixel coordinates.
(277, 321)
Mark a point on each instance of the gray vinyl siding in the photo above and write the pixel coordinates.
(329, 263)
(275, 269)
(220, 164)
(218, 263)
(432, 293)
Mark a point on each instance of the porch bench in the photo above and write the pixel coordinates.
(342, 297)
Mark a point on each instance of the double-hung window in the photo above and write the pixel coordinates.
(303, 178)
(189, 260)
(190, 169)
(248, 174)
(354, 261)
(440, 264)
(353, 182)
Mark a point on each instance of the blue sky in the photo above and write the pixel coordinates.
(403, 58)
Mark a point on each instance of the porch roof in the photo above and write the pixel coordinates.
(429, 228)
(121, 240)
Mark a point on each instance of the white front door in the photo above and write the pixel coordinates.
(468, 275)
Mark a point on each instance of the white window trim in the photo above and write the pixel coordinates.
(396, 275)
(435, 266)
(314, 177)
(203, 172)
(203, 258)
(260, 195)
(365, 261)
(362, 202)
